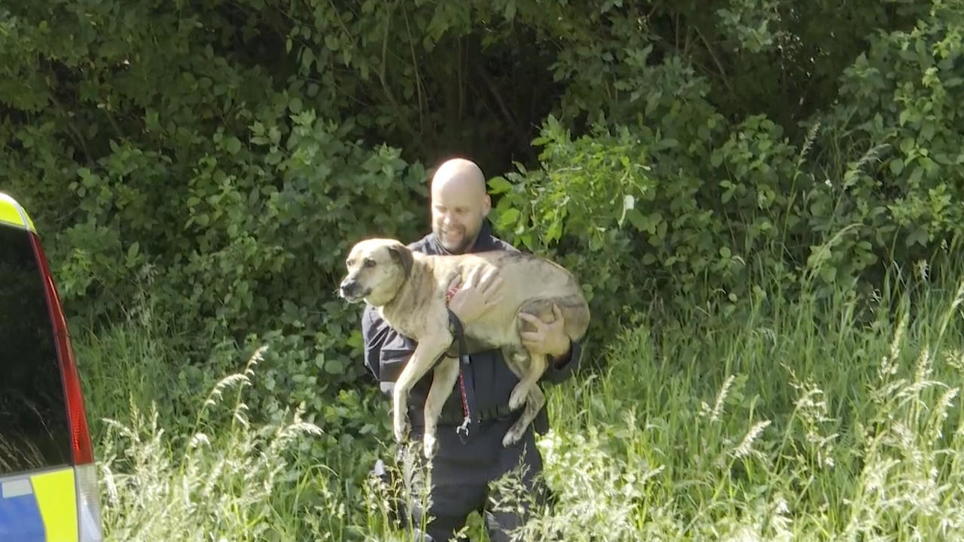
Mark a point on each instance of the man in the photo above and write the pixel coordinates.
(463, 467)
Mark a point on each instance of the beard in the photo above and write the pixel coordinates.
(457, 239)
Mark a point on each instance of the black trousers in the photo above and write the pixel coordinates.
(465, 477)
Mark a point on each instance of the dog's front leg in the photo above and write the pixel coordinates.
(427, 351)
(443, 381)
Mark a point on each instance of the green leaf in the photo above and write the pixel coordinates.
(896, 166)
(232, 145)
(508, 218)
(637, 220)
(335, 366)
(907, 144)
(554, 232)
(307, 58)
(498, 185)
(919, 236)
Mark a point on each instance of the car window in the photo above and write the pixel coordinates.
(33, 419)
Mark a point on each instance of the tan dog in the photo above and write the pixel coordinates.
(409, 290)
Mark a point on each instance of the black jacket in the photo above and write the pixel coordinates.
(386, 352)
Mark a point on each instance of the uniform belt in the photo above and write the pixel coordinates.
(454, 418)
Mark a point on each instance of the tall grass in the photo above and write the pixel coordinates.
(184, 464)
(804, 420)
(220, 481)
(792, 419)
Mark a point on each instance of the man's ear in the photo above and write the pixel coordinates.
(403, 257)
(486, 205)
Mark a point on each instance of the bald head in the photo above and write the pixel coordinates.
(459, 204)
(460, 174)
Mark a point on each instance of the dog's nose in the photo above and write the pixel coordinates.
(347, 287)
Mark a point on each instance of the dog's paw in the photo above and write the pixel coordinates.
(400, 428)
(518, 397)
(429, 444)
(511, 437)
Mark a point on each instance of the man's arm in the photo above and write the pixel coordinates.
(562, 367)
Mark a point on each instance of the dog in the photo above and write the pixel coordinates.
(408, 289)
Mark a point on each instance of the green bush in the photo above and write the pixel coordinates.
(903, 97)
(224, 155)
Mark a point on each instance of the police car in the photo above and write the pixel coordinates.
(48, 482)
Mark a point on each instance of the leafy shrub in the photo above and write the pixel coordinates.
(225, 154)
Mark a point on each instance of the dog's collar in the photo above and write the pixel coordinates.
(450, 293)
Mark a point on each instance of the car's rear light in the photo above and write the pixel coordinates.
(88, 503)
(80, 444)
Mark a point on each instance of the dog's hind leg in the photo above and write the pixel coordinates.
(534, 404)
(517, 359)
(530, 370)
(529, 374)
(528, 367)
(443, 381)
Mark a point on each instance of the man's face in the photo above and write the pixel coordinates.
(457, 213)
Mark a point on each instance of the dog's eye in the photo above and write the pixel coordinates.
(369, 262)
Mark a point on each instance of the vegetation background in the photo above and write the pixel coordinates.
(762, 197)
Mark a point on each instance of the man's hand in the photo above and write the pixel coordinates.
(476, 295)
(549, 337)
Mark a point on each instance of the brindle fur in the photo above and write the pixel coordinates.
(408, 288)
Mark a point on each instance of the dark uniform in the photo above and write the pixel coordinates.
(461, 471)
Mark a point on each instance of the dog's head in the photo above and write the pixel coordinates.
(377, 268)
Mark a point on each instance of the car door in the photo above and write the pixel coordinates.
(48, 486)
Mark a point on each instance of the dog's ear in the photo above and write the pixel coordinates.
(402, 256)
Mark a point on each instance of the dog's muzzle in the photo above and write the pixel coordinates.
(351, 290)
